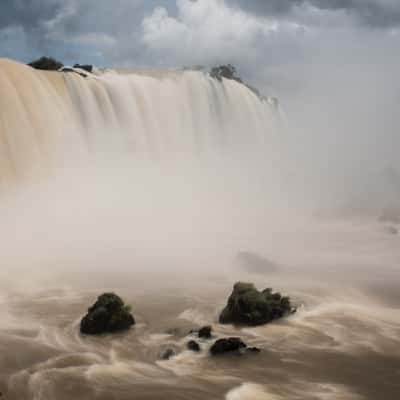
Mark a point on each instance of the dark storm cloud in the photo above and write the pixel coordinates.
(29, 14)
(116, 32)
(69, 29)
(267, 7)
(76, 15)
(374, 13)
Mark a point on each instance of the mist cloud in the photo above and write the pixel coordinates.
(333, 63)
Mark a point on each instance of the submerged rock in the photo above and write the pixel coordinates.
(205, 332)
(391, 230)
(167, 354)
(178, 332)
(109, 314)
(193, 346)
(248, 306)
(202, 333)
(391, 215)
(231, 345)
(227, 345)
(253, 349)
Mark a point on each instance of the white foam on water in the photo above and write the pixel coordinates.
(250, 391)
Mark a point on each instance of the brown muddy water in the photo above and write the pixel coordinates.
(343, 343)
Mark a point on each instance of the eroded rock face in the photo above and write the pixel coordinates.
(248, 306)
(109, 314)
(227, 345)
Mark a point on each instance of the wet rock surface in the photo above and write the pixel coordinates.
(248, 306)
(109, 314)
(193, 346)
(167, 354)
(227, 345)
(205, 332)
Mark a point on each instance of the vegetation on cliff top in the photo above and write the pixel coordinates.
(46, 63)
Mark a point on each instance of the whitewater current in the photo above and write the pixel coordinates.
(167, 187)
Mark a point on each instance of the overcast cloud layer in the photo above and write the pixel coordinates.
(272, 42)
(137, 31)
(333, 63)
(175, 32)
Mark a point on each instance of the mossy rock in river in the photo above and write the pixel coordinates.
(248, 306)
(109, 314)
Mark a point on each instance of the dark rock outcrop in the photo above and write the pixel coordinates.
(248, 306)
(227, 345)
(193, 346)
(205, 332)
(109, 314)
(46, 63)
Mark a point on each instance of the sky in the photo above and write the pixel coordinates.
(272, 42)
(334, 64)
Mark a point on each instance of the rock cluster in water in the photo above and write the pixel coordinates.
(109, 314)
(248, 306)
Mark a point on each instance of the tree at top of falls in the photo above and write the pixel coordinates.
(225, 71)
(47, 64)
(229, 72)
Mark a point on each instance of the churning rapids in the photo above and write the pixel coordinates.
(168, 187)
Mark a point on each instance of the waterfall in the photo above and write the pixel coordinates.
(48, 117)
